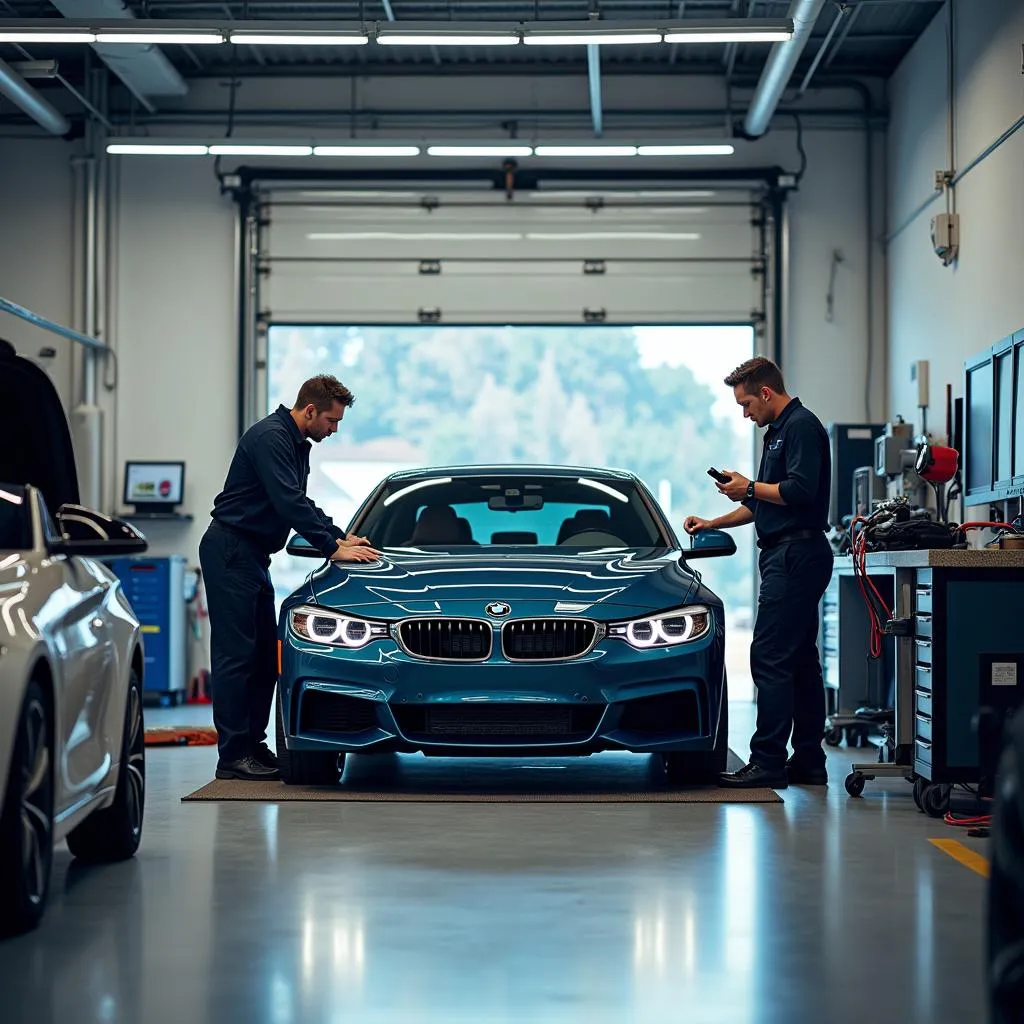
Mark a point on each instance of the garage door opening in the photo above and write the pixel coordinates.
(648, 399)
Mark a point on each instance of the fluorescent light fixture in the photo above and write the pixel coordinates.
(14, 499)
(241, 149)
(544, 37)
(28, 35)
(716, 150)
(604, 488)
(443, 39)
(161, 38)
(305, 38)
(729, 36)
(437, 33)
(392, 498)
(154, 149)
(510, 150)
(366, 151)
(585, 151)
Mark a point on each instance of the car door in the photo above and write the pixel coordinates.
(78, 628)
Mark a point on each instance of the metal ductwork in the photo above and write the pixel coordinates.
(144, 68)
(780, 66)
(19, 92)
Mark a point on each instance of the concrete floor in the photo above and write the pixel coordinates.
(819, 909)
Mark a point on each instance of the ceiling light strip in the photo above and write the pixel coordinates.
(394, 33)
(261, 147)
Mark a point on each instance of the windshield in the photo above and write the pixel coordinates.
(511, 510)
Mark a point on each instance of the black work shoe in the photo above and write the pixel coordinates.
(248, 769)
(753, 776)
(265, 756)
(801, 775)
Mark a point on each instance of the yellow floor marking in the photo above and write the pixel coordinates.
(978, 864)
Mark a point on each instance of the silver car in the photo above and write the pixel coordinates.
(72, 756)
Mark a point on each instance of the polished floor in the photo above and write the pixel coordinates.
(820, 909)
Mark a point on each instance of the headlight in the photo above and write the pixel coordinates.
(334, 630)
(666, 630)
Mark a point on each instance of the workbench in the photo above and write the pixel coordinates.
(954, 668)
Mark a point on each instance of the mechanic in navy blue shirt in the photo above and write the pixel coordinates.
(263, 500)
(788, 505)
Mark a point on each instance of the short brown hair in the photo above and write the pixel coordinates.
(322, 392)
(757, 373)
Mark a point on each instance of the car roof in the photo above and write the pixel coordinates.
(510, 469)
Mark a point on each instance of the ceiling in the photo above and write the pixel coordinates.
(870, 38)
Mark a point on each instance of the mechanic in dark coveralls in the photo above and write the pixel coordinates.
(788, 505)
(264, 497)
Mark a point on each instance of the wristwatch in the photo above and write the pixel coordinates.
(750, 489)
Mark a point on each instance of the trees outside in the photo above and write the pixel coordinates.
(591, 396)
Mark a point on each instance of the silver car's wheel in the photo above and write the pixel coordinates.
(115, 833)
(26, 824)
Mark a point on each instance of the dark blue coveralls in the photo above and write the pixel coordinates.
(264, 497)
(795, 564)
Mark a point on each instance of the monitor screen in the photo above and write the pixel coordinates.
(154, 483)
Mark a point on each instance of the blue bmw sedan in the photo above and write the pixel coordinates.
(515, 611)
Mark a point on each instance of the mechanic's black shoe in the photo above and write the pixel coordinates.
(753, 776)
(801, 775)
(248, 769)
(265, 756)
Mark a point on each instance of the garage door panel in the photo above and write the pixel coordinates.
(514, 262)
(697, 295)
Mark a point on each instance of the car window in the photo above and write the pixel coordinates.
(511, 511)
(15, 519)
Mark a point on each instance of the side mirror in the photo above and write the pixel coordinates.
(301, 548)
(87, 532)
(710, 544)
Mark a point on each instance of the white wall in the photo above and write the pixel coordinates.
(946, 314)
(172, 318)
(37, 254)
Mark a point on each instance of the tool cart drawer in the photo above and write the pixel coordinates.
(923, 703)
(923, 725)
(923, 678)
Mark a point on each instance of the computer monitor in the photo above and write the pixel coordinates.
(154, 486)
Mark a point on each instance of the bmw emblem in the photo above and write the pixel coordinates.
(498, 609)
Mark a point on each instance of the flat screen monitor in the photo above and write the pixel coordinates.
(154, 486)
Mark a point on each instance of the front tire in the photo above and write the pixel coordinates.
(26, 822)
(306, 767)
(702, 767)
(115, 833)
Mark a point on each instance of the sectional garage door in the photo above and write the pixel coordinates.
(335, 256)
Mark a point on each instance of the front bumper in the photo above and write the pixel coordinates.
(614, 698)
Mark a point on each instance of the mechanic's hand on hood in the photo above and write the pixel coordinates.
(355, 553)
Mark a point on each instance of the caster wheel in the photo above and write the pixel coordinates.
(919, 787)
(833, 737)
(855, 783)
(936, 800)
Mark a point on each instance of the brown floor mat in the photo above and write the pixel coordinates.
(603, 778)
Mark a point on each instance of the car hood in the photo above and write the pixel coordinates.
(599, 585)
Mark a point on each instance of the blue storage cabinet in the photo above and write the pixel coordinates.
(155, 588)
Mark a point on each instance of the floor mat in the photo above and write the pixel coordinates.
(181, 736)
(603, 778)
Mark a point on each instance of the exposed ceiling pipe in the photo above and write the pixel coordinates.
(143, 68)
(780, 65)
(19, 92)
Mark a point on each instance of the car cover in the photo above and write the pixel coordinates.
(36, 447)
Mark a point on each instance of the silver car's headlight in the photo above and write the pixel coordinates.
(666, 630)
(334, 629)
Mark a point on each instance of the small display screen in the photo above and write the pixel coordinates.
(154, 483)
